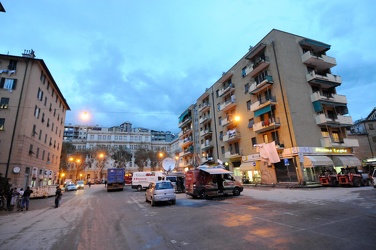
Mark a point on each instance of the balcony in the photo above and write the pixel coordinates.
(208, 144)
(340, 120)
(204, 119)
(320, 61)
(258, 87)
(263, 103)
(228, 104)
(185, 153)
(185, 122)
(204, 107)
(233, 155)
(268, 124)
(185, 163)
(227, 89)
(205, 133)
(185, 143)
(185, 133)
(226, 121)
(328, 142)
(326, 81)
(332, 99)
(231, 136)
(259, 65)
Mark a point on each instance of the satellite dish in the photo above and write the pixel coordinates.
(168, 164)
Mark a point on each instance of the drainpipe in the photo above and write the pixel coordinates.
(215, 123)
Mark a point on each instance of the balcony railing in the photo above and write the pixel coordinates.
(318, 60)
(231, 136)
(257, 87)
(232, 155)
(205, 132)
(228, 104)
(204, 107)
(263, 102)
(185, 122)
(206, 145)
(322, 119)
(327, 80)
(266, 125)
(259, 65)
(345, 143)
(334, 98)
(226, 89)
(204, 119)
(186, 142)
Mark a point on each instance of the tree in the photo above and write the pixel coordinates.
(67, 148)
(121, 156)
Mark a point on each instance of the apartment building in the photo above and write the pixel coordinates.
(364, 130)
(275, 116)
(31, 121)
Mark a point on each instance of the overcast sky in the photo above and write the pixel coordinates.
(146, 61)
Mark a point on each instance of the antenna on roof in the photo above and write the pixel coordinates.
(29, 53)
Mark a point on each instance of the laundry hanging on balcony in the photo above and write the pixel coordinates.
(268, 152)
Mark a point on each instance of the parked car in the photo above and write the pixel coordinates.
(160, 191)
(80, 184)
(71, 187)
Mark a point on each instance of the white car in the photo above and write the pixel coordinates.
(160, 191)
(71, 187)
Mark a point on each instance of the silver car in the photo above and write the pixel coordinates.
(160, 191)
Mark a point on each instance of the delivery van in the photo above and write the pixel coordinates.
(207, 181)
(141, 180)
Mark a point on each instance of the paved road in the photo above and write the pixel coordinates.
(261, 218)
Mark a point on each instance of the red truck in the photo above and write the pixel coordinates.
(206, 181)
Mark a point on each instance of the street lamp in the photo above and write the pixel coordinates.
(160, 156)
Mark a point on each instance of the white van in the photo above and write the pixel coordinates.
(141, 180)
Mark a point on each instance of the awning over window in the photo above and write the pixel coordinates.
(216, 171)
(315, 45)
(311, 161)
(248, 166)
(263, 110)
(343, 161)
(182, 116)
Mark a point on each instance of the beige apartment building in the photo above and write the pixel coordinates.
(32, 114)
(274, 117)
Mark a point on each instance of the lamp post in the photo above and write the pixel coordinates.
(160, 157)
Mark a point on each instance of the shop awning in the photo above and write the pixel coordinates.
(343, 161)
(311, 161)
(247, 166)
(216, 171)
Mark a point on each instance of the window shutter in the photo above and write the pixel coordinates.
(14, 84)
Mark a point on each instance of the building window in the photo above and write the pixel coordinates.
(244, 74)
(40, 94)
(221, 135)
(37, 154)
(254, 141)
(34, 130)
(370, 126)
(36, 112)
(4, 103)
(12, 65)
(6, 83)
(223, 150)
(31, 149)
(246, 88)
(250, 123)
(40, 135)
(99, 137)
(2, 122)
(45, 101)
(249, 103)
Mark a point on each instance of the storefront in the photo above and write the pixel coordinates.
(249, 169)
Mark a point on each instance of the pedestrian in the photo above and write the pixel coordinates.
(15, 195)
(26, 198)
(9, 198)
(105, 183)
(89, 183)
(58, 195)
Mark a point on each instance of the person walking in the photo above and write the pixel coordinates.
(105, 183)
(26, 198)
(58, 195)
(9, 198)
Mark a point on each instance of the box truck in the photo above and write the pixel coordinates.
(115, 179)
